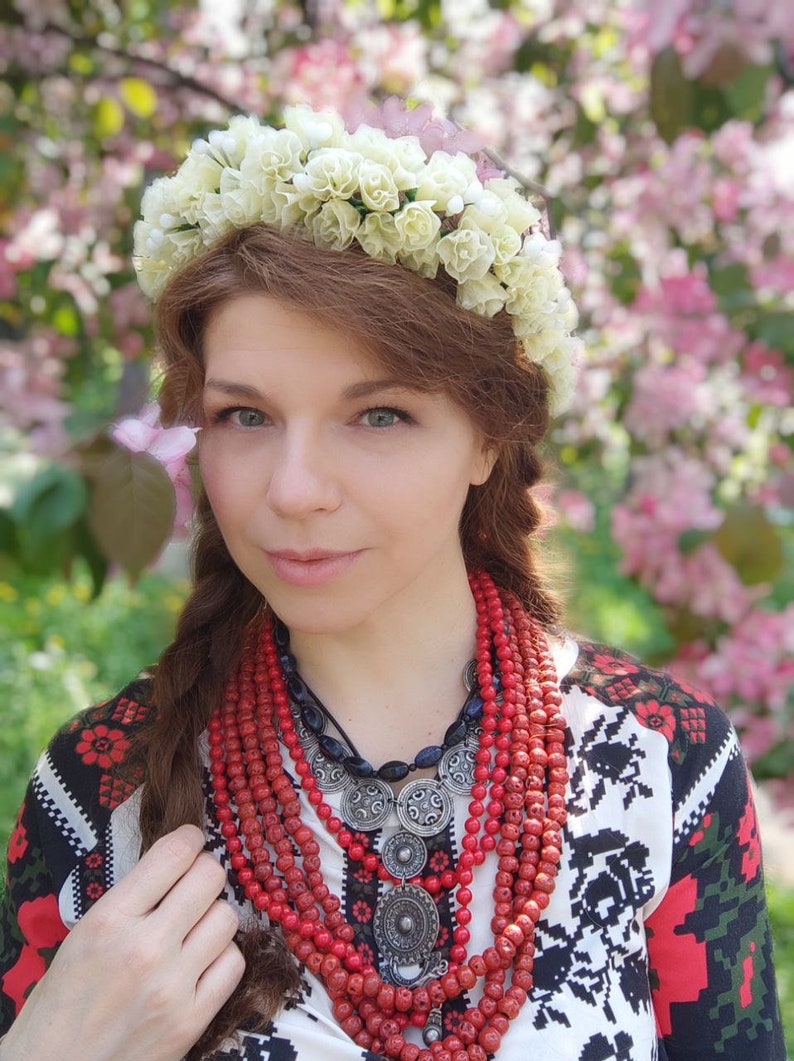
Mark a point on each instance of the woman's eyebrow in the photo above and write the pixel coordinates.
(366, 387)
(244, 390)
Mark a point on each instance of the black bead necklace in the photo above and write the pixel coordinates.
(316, 718)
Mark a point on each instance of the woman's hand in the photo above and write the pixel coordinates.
(140, 977)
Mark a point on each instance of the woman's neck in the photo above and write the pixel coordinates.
(396, 682)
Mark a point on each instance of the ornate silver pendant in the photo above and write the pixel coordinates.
(366, 804)
(331, 776)
(424, 807)
(404, 855)
(456, 768)
(405, 925)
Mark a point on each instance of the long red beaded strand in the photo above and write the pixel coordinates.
(521, 754)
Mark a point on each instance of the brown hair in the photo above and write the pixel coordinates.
(415, 329)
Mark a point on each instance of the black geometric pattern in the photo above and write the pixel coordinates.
(658, 919)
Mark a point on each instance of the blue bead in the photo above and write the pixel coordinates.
(332, 747)
(313, 717)
(456, 732)
(394, 770)
(473, 709)
(429, 756)
(359, 767)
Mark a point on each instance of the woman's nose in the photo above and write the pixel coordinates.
(302, 479)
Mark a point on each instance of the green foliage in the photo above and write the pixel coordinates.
(61, 651)
(781, 912)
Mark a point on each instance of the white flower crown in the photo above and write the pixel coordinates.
(401, 204)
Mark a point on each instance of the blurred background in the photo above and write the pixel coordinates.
(661, 134)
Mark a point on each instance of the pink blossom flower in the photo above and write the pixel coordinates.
(169, 445)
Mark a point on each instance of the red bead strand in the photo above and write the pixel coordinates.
(517, 809)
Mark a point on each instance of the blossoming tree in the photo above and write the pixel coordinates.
(661, 134)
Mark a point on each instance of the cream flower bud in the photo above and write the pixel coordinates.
(422, 262)
(467, 253)
(315, 129)
(377, 189)
(521, 214)
(240, 199)
(335, 225)
(444, 177)
(485, 296)
(331, 174)
(417, 225)
(273, 156)
(404, 156)
(379, 237)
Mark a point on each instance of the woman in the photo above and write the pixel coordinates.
(444, 829)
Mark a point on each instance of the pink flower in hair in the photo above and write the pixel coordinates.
(168, 445)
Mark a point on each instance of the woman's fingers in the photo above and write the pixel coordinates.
(210, 936)
(187, 901)
(218, 981)
(165, 863)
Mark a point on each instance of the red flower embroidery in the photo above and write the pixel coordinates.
(94, 890)
(18, 841)
(43, 930)
(93, 860)
(101, 746)
(361, 911)
(660, 717)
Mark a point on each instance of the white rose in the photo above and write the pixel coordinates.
(243, 130)
(174, 249)
(423, 262)
(198, 175)
(538, 248)
(561, 369)
(285, 207)
(521, 214)
(447, 177)
(533, 287)
(403, 155)
(330, 173)
(335, 225)
(506, 241)
(376, 186)
(240, 199)
(485, 296)
(275, 155)
(467, 253)
(379, 237)
(418, 226)
(314, 128)
(213, 222)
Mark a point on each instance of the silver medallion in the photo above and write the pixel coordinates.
(331, 776)
(424, 807)
(470, 675)
(405, 925)
(456, 768)
(366, 804)
(404, 855)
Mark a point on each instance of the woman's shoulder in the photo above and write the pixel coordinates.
(699, 741)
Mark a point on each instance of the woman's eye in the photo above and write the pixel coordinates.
(247, 417)
(383, 416)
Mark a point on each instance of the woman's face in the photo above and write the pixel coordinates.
(337, 490)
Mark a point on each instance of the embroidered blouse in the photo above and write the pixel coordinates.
(655, 946)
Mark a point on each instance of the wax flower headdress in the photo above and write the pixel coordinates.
(421, 208)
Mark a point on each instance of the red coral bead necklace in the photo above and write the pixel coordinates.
(517, 809)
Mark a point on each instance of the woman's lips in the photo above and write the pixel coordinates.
(313, 568)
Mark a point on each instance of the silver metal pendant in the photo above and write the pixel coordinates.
(456, 768)
(405, 925)
(366, 804)
(433, 1029)
(331, 776)
(424, 807)
(470, 675)
(404, 855)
